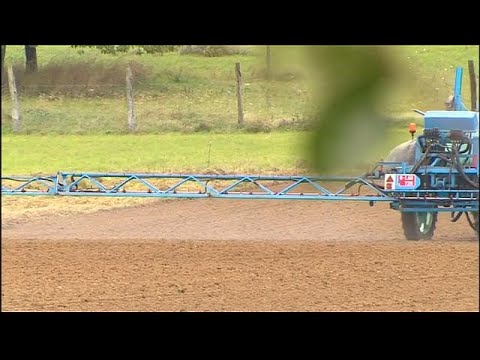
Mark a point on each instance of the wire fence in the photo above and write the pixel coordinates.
(76, 108)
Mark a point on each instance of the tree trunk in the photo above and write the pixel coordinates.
(31, 58)
(4, 48)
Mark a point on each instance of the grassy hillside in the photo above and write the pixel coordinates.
(430, 73)
(84, 93)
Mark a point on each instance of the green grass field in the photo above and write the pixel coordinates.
(152, 153)
(278, 152)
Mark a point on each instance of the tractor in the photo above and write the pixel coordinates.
(445, 159)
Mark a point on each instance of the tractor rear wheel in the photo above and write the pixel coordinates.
(476, 220)
(419, 225)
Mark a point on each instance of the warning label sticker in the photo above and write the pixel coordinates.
(390, 180)
(401, 182)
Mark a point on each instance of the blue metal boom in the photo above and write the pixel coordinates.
(194, 186)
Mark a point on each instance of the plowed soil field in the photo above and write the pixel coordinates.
(229, 255)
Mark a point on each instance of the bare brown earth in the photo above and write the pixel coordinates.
(227, 255)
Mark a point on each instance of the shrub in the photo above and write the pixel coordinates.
(77, 79)
(214, 50)
(256, 127)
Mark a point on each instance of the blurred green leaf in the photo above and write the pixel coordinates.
(348, 124)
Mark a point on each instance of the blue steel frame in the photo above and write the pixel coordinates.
(458, 104)
(266, 187)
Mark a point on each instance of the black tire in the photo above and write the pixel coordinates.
(419, 225)
(476, 220)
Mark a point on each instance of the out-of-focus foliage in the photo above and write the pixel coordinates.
(347, 124)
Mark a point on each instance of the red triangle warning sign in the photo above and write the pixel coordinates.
(389, 179)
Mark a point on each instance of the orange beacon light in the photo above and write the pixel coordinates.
(412, 128)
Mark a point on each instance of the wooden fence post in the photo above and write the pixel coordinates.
(269, 76)
(13, 92)
(131, 108)
(239, 94)
(473, 85)
(269, 63)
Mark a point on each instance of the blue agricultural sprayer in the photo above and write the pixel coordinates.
(437, 171)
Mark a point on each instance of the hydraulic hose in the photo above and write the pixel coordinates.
(459, 168)
(424, 157)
